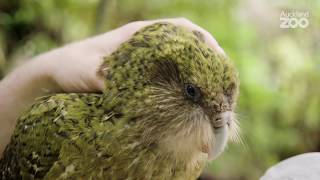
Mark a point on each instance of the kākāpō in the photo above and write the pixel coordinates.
(167, 108)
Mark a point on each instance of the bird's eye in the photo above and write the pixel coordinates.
(192, 92)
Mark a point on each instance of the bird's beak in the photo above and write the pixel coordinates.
(220, 129)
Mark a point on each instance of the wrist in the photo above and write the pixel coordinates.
(41, 74)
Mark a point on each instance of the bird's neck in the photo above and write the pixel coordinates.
(155, 159)
(153, 162)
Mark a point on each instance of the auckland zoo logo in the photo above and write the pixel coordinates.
(290, 19)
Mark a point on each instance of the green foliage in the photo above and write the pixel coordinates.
(279, 68)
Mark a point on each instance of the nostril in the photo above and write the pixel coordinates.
(222, 119)
(218, 122)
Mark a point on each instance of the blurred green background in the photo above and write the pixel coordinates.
(279, 105)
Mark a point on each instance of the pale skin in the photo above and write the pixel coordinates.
(72, 68)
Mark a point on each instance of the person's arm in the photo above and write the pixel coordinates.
(17, 92)
(68, 69)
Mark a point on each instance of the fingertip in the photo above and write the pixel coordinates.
(212, 42)
(221, 51)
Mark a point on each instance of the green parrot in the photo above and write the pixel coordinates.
(167, 109)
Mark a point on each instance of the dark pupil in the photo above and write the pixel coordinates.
(191, 91)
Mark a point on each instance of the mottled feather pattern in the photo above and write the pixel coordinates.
(141, 127)
(40, 133)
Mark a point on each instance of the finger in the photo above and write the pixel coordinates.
(97, 76)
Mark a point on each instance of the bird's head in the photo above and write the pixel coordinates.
(179, 93)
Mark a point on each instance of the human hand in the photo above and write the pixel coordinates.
(73, 68)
